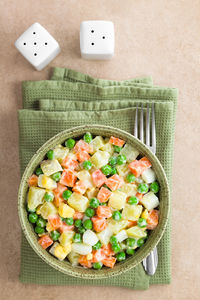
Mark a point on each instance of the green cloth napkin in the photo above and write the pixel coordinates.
(70, 99)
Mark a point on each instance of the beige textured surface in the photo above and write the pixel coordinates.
(158, 38)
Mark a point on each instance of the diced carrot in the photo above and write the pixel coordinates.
(64, 227)
(139, 196)
(58, 200)
(98, 255)
(99, 224)
(109, 261)
(81, 145)
(83, 261)
(78, 215)
(68, 178)
(146, 162)
(80, 187)
(55, 221)
(33, 180)
(82, 156)
(152, 220)
(108, 249)
(98, 178)
(114, 182)
(116, 141)
(131, 223)
(69, 163)
(104, 194)
(45, 241)
(103, 212)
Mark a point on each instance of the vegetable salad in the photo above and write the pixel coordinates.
(93, 201)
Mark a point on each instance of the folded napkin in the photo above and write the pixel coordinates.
(70, 99)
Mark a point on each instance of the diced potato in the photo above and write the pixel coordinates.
(129, 189)
(121, 236)
(130, 152)
(35, 197)
(90, 238)
(97, 143)
(116, 226)
(136, 232)
(91, 193)
(66, 238)
(65, 211)
(149, 176)
(117, 200)
(123, 246)
(145, 214)
(73, 258)
(131, 212)
(108, 148)
(60, 152)
(50, 167)
(49, 228)
(38, 209)
(59, 251)
(46, 182)
(86, 177)
(122, 170)
(100, 158)
(105, 235)
(48, 209)
(78, 202)
(81, 248)
(150, 201)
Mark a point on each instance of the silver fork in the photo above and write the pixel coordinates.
(151, 261)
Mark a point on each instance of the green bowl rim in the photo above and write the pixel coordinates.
(141, 253)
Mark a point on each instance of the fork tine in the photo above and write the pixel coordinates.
(141, 125)
(153, 128)
(147, 127)
(136, 122)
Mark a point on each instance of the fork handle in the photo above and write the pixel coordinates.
(150, 262)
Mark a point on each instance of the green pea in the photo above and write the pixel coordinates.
(113, 161)
(70, 143)
(103, 204)
(39, 230)
(77, 238)
(41, 222)
(98, 265)
(142, 222)
(133, 200)
(130, 251)
(121, 159)
(116, 215)
(154, 187)
(87, 165)
(87, 224)
(114, 171)
(81, 229)
(130, 242)
(66, 194)
(97, 246)
(48, 196)
(89, 212)
(130, 178)
(56, 176)
(142, 188)
(106, 170)
(116, 248)
(50, 154)
(69, 221)
(55, 235)
(94, 203)
(78, 223)
(113, 240)
(38, 171)
(87, 137)
(117, 149)
(121, 256)
(33, 217)
(140, 242)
